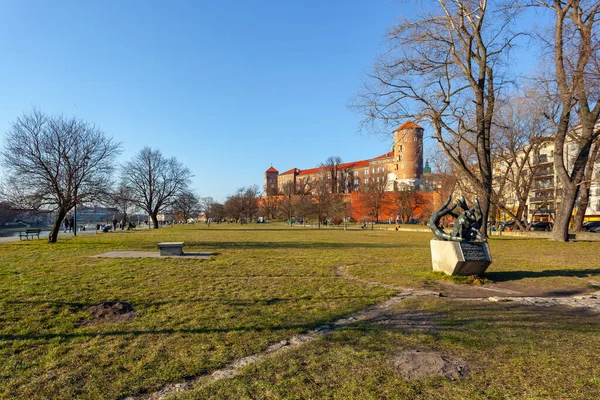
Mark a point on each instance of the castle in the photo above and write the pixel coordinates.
(402, 167)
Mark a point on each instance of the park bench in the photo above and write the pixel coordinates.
(171, 248)
(30, 232)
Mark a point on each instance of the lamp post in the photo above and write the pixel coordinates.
(84, 165)
(75, 216)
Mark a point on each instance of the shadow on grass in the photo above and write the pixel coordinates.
(294, 245)
(517, 275)
(196, 331)
(232, 302)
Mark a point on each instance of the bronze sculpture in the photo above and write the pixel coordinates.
(466, 226)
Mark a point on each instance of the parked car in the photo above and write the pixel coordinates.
(588, 226)
(541, 226)
(509, 225)
(595, 229)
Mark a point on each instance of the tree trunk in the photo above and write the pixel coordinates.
(154, 218)
(584, 195)
(53, 236)
(584, 199)
(560, 232)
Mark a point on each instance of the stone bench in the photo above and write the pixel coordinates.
(171, 248)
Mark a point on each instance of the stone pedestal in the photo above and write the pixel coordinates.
(460, 258)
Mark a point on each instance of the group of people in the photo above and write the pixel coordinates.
(69, 224)
(113, 225)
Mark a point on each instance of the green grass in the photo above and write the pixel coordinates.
(264, 284)
(514, 353)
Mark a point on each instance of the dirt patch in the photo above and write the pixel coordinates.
(418, 364)
(109, 312)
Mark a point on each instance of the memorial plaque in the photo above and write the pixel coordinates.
(474, 251)
(460, 258)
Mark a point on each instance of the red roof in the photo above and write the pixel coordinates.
(386, 155)
(355, 164)
(408, 125)
(310, 171)
(291, 171)
(272, 169)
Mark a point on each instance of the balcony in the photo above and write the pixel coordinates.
(541, 199)
(543, 186)
(542, 211)
(544, 172)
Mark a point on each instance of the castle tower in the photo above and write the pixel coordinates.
(408, 154)
(271, 181)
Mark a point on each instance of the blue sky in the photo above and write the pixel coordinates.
(227, 87)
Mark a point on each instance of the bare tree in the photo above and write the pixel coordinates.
(155, 181)
(333, 167)
(445, 68)
(521, 130)
(243, 205)
(186, 205)
(584, 193)
(373, 193)
(574, 86)
(287, 206)
(303, 203)
(122, 199)
(322, 198)
(53, 163)
(406, 201)
(207, 208)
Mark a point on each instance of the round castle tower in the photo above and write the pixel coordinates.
(408, 154)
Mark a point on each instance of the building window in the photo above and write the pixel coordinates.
(402, 166)
(415, 138)
(406, 139)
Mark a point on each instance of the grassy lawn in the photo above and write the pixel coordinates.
(514, 353)
(267, 283)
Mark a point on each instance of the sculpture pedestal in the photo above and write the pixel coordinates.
(460, 258)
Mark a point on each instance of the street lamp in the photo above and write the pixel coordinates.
(84, 165)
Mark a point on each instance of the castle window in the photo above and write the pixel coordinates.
(415, 138)
(406, 139)
(402, 166)
(396, 167)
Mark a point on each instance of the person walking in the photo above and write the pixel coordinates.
(71, 223)
(66, 223)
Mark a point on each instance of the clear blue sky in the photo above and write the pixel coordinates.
(228, 87)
